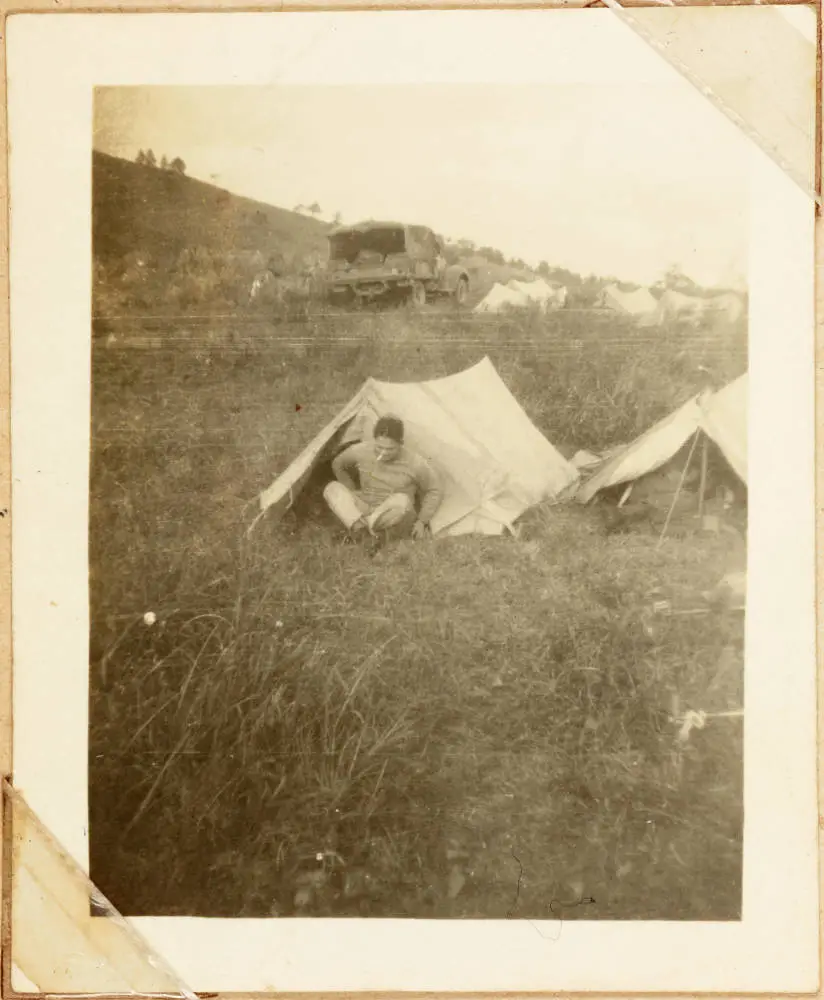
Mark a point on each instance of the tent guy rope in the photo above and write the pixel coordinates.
(678, 490)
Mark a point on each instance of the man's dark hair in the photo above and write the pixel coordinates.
(390, 427)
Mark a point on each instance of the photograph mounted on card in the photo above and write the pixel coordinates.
(414, 494)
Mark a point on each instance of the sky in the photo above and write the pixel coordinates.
(621, 181)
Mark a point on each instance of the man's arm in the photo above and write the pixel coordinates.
(343, 465)
(431, 491)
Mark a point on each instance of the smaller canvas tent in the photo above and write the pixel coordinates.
(722, 416)
(639, 303)
(541, 292)
(724, 421)
(729, 306)
(521, 294)
(501, 297)
(677, 307)
(493, 461)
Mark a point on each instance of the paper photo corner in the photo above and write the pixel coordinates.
(755, 65)
(61, 934)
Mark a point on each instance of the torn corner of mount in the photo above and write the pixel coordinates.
(91, 948)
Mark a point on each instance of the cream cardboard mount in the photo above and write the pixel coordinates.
(66, 939)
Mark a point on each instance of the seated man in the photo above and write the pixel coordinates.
(389, 477)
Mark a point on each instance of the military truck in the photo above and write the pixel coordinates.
(391, 261)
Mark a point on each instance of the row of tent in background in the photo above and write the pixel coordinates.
(639, 304)
(505, 465)
(522, 294)
(672, 305)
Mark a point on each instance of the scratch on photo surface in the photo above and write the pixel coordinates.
(510, 913)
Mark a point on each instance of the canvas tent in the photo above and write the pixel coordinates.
(493, 461)
(639, 303)
(521, 294)
(728, 306)
(724, 421)
(677, 306)
(721, 416)
(541, 292)
(501, 297)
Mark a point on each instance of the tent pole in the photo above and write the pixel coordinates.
(702, 489)
(678, 490)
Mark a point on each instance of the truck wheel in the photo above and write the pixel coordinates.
(461, 291)
(417, 297)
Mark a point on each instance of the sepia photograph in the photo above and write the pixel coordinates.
(414, 500)
(418, 502)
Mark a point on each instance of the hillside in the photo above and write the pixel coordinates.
(145, 210)
(163, 239)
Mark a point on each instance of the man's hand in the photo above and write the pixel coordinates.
(419, 530)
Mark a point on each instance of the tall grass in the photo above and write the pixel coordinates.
(306, 730)
(198, 283)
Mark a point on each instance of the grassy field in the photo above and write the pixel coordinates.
(470, 727)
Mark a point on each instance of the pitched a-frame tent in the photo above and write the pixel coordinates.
(493, 461)
(540, 292)
(721, 417)
(501, 297)
(638, 303)
(677, 307)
